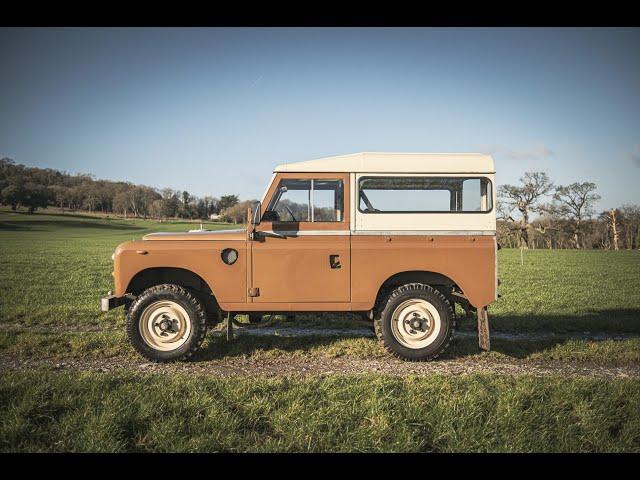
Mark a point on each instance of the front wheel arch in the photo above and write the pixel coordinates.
(154, 276)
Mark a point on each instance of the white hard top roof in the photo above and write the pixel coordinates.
(375, 162)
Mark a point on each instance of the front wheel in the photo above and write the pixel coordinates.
(166, 323)
(416, 323)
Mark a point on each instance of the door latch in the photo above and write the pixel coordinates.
(334, 261)
(254, 292)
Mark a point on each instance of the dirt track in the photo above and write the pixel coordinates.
(289, 331)
(318, 366)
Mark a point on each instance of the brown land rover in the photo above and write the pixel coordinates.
(399, 237)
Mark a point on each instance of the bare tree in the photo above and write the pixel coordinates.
(613, 224)
(525, 199)
(237, 213)
(576, 202)
(631, 225)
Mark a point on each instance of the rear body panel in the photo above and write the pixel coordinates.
(467, 260)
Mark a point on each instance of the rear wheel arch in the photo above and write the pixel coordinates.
(438, 281)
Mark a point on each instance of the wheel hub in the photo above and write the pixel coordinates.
(415, 323)
(165, 325)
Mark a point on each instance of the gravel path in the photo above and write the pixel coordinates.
(360, 331)
(319, 366)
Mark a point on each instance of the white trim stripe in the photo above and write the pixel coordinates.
(390, 233)
(302, 233)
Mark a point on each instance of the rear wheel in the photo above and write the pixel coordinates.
(166, 323)
(416, 323)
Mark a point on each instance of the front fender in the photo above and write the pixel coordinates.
(227, 282)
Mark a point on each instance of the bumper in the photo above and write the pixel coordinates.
(110, 302)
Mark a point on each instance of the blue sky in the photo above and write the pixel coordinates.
(213, 110)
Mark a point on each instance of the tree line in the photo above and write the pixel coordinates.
(566, 216)
(33, 188)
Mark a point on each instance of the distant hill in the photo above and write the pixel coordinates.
(33, 188)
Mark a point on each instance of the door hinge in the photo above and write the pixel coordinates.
(254, 292)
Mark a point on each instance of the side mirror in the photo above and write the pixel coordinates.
(255, 213)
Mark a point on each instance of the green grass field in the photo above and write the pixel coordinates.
(54, 269)
(126, 412)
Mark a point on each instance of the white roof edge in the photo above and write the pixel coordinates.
(392, 162)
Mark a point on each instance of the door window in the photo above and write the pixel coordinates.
(313, 200)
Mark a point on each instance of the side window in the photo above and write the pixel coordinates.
(314, 200)
(424, 195)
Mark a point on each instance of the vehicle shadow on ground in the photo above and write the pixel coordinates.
(217, 347)
(593, 321)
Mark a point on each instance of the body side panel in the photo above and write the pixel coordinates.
(467, 260)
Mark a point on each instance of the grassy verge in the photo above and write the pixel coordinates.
(96, 345)
(41, 411)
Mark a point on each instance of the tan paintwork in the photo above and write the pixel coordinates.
(289, 263)
(297, 269)
(467, 260)
(227, 282)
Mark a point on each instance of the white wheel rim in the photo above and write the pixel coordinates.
(416, 323)
(165, 325)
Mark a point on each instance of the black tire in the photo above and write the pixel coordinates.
(383, 322)
(196, 313)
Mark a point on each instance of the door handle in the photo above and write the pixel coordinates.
(258, 235)
(334, 261)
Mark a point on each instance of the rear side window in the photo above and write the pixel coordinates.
(425, 195)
